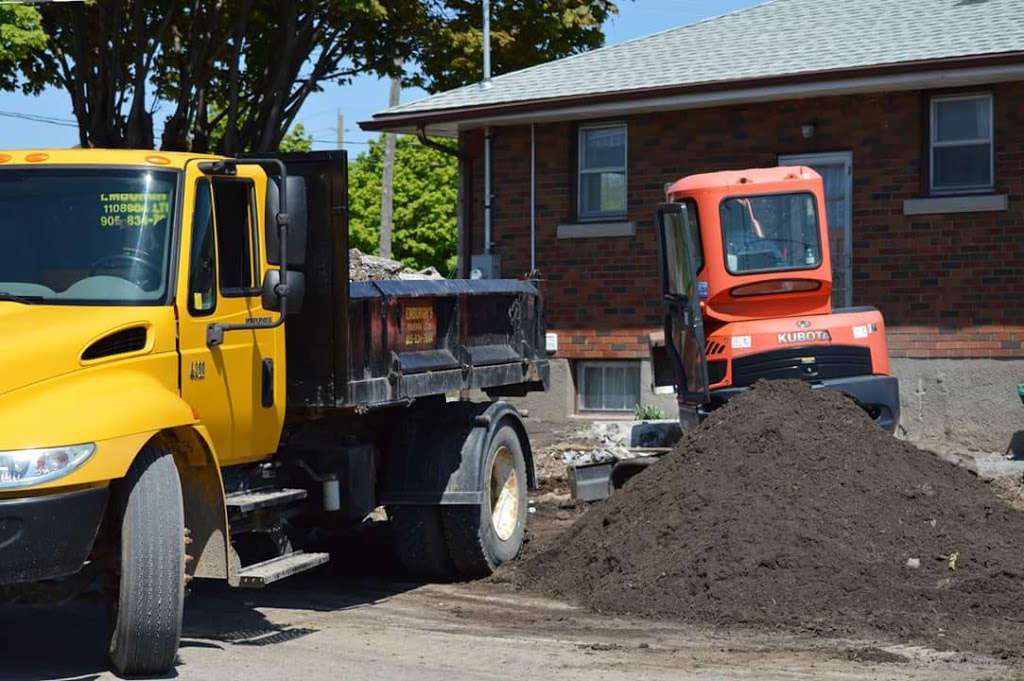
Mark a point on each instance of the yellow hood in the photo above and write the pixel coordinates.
(42, 342)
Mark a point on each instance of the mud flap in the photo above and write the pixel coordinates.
(437, 458)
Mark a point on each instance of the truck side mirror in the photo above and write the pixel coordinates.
(271, 299)
(297, 220)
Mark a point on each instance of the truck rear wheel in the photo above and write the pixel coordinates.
(150, 600)
(483, 536)
(420, 541)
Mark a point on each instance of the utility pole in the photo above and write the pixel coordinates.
(341, 130)
(387, 181)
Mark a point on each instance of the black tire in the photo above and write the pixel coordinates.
(150, 601)
(420, 541)
(477, 541)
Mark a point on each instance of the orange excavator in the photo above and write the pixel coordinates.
(746, 281)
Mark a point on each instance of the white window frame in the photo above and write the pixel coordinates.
(580, 172)
(581, 376)
(934, 144)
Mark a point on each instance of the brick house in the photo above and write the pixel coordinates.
(913, 112)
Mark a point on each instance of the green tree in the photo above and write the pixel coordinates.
(297, 139)
(426, 196)
(21, 36)
(247, 66)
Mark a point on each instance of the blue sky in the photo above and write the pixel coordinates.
(357, 101)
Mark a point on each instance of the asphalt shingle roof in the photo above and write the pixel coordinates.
(777, 38)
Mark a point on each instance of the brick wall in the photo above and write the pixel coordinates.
(948, 285)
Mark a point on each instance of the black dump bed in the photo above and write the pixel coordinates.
(368, 344)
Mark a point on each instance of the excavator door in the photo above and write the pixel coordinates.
(684, 324)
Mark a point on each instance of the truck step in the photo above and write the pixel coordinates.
(269, 571)
(252, 500)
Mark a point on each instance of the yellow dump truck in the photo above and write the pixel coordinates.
(193, 388)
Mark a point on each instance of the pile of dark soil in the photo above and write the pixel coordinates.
(789, 508)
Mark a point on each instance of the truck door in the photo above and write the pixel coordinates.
(235, 387)
(684, 324)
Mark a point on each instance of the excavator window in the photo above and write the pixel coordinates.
(698, 246)
(774, 232)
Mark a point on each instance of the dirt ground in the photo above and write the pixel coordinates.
(342, 624)
(359, 617)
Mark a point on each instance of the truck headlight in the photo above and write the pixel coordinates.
(24, 467)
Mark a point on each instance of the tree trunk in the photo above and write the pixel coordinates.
(387, 181)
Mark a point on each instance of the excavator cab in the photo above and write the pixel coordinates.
(746, 282)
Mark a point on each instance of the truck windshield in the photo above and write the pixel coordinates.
(86, 236)
(769, 233)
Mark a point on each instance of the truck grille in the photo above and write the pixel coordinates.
(809, 363)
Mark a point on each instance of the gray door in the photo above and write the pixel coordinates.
(836, 170)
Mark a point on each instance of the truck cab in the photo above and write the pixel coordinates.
(747, 280)
(193, 387)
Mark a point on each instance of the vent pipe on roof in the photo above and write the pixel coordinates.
(486, 83)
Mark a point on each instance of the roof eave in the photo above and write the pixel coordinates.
(935, 73)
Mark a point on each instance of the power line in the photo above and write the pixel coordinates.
(72, 124)
(39, 119)
(347, 142)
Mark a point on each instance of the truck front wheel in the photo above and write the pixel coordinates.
(483, 536)
(150, 600)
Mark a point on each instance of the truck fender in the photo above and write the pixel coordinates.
(437, 458)
(202, 489)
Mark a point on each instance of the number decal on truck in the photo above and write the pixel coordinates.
(419, 327)
(197, 372)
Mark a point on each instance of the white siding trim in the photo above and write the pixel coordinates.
(822, 88)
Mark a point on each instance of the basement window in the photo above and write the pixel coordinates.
(602, 172)
(961, 144)
(608, 386)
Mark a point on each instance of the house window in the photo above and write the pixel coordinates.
(608, 386)
(602, 172)
(961, 144)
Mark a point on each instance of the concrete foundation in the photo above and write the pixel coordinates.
(966, 403)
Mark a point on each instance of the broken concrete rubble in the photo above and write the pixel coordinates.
(366, 267)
